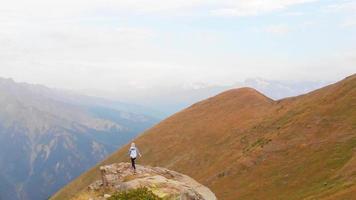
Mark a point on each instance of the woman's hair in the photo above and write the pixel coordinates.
(133, 144)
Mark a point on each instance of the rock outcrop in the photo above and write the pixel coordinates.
(164, 183)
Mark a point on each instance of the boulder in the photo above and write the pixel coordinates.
(164, 183)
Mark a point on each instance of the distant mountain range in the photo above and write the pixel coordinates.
(244, 145)
(171, 99)
(48, 136)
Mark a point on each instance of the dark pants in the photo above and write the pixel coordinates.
(133, 163)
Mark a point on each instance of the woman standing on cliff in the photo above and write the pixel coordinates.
(133, 152)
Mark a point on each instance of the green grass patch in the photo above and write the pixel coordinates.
(136, 194)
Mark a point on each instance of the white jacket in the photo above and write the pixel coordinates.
(133, 152)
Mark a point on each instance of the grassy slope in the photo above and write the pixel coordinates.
(245, 146)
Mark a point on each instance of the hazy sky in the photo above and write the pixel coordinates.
(120, 44)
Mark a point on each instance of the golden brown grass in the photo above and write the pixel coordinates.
(84, 195)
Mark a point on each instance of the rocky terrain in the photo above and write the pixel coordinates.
(164, 183)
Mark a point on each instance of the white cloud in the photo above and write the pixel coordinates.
(107, 44)
(342, 6)
(52, 9)
(349, 23)
(68, 8)
(279, 29)
(255, 7)
(293, 14)
(348, 8)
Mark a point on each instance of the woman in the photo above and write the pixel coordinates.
(133, 152)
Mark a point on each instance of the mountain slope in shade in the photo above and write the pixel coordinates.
(244, 145)
(46, 141)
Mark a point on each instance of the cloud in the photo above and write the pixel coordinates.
(349, 23)
(52, 9)
(294, 14)
(279, 29)
(68, 8)
(255, 7)
(121, 44)
(342, 6)
(347, 8)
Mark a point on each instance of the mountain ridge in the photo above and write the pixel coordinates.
(46, 140)
(235, 149)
